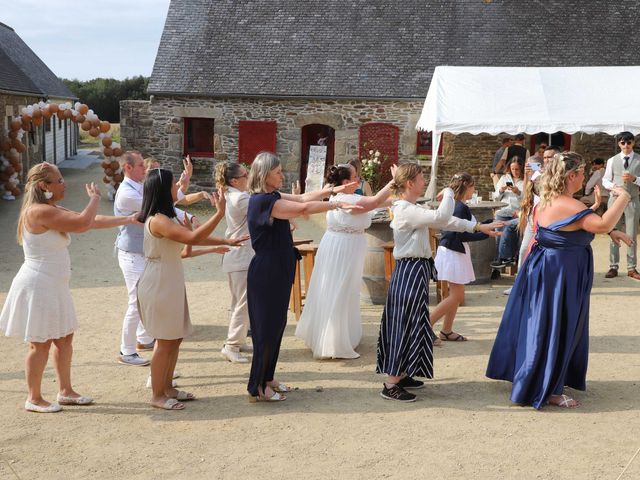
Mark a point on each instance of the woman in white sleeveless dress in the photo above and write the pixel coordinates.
(331, 325)
(39, 307)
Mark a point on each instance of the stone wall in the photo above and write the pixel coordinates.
(156, 129)
(10, 106)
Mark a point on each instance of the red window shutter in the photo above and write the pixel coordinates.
(255, 136)
(384, 138)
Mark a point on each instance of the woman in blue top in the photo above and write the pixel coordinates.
(271, 271)
(542, 344)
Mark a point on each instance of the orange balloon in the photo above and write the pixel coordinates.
(117, 152)
(105, 164)
(9, 170)
(21, 148)
(15, 191)
(95, 122)
(5, 145)
(117, 177)
(15, 124)
(108, 152)
(106, 179)
(106, 141)
(80, 118)
(37, 113)
(17, 166)
(26, 126)
(53, 107)
(108, 172)
(83, 108)
(94, 132)
(15, 142)
(26, 118)
(46, 113)
(115, 165)
(13, 134)
(37, 121)
(86, 125)
(67, 113)
(105, 126)
(15, 156)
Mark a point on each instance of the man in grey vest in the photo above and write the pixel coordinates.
(129, 242)
(624, 170)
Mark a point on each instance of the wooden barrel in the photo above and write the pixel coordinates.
(374, 286)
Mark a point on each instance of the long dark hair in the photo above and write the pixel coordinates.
(156, 196)
(339, 173)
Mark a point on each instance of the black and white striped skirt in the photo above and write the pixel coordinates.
(405, 344)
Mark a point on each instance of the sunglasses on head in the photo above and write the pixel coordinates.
(626, 142)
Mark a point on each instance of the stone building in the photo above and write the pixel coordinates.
(25, 80)
(233, 78)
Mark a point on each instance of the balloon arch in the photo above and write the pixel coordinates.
(12, 146)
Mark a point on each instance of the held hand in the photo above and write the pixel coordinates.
(92, 190)
(618, 236)
(221, 203)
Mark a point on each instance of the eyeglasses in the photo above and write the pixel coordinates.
(626, 142)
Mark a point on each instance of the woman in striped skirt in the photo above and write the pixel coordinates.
(405, 342)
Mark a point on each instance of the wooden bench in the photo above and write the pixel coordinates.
(442, 287)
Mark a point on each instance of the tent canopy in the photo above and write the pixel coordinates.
(529, 100)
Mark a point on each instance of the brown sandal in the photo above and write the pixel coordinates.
(445, 337)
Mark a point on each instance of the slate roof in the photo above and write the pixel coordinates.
(21, 70)
(375, 48)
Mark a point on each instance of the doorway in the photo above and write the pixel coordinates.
(558, 139)
(315, 134)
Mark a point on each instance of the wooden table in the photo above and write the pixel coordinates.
(308, 253)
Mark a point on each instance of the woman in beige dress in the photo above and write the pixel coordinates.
(162, 297)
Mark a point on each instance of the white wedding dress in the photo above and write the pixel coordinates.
(331, 325)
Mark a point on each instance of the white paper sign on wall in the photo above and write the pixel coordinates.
(315, 168)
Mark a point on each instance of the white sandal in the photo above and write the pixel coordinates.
(62, 400)
(566, 399)
(32, 407)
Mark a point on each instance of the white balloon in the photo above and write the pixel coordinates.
(76, 105)
(41, 104)
(30, 110)
(115, 145)
(102, 135)
(62, 106)
(74, 112)
(90, 112)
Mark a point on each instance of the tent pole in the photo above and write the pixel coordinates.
(433, 181)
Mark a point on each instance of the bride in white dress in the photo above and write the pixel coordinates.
(331, 325)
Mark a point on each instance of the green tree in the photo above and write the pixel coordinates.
(103, 95)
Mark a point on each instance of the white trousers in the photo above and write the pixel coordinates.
(132, 266)
(239, 318)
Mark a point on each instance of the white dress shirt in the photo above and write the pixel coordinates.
(607, 179)
(596, 179)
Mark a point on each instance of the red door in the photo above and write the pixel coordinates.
(384, 138)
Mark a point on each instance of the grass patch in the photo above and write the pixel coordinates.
(86, 139)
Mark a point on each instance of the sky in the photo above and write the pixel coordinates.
(81, 39)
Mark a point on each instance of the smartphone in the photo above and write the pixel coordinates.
(509, 184)
(534, 166)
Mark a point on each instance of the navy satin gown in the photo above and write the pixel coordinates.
(269, 282)
(543, 340)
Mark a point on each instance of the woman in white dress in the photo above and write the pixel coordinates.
(331, 325)
(38, 306)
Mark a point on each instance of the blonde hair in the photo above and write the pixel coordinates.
(225, 172)
(555, 175)
(357, 164)
(459, 184)
(405, 173)
(260, 168)
(148, 162)
(526, 205)
(33, 193)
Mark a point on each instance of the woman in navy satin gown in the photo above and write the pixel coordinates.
(542, 344)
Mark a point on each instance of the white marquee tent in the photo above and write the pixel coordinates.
(529, 100)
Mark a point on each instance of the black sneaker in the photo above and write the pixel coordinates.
(499, 263)
(409, 383)
(398, 393)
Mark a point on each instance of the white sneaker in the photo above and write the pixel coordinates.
(233, 356)
(246, 348)
(174, 384)
(507, 291)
